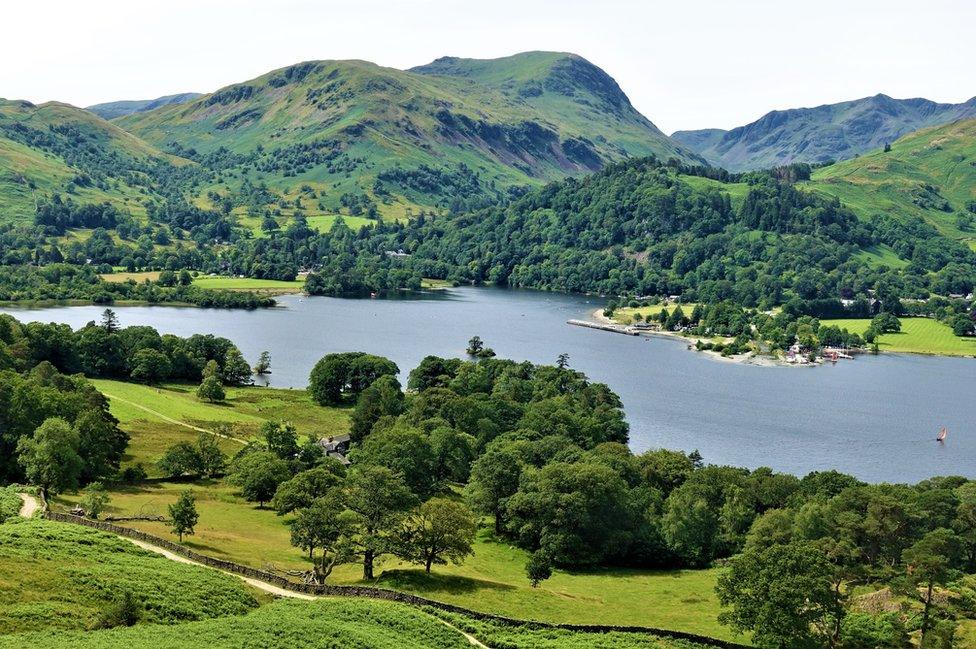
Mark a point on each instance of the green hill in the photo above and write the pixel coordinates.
(372, 139)
(57, 148)
(930, 174)
(829, 132)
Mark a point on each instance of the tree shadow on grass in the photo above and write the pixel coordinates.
(418, 581)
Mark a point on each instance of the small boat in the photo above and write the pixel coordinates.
(942, 434)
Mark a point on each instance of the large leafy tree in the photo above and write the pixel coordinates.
(258, 474)
(50, 456)
(438, 531)
(325, 530)
(380, 500)
(783, 595)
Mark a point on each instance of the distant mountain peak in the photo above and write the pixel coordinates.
(114, 109)
(827, 132)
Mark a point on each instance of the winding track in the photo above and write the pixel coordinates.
(174, 421)
(31, 505)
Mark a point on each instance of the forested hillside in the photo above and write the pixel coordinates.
(829, 132)
(653, 229)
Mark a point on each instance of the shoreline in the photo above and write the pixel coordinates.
(749, 358)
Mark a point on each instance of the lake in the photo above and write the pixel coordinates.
(875, 417)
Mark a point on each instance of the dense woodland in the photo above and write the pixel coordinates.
(636, 228)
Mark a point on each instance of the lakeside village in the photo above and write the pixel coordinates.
(779, 336)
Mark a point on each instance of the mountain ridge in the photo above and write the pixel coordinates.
(822, 133)
(115, 109)
(355, 118)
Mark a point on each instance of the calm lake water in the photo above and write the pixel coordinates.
(875, 417)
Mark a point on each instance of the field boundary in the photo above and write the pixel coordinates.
(371, 592)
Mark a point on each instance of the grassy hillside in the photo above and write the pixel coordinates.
(930, 174)
(59, 148)
(339, 623)
(829, 132)
(430, 135)
(157, 418)
(58, 576)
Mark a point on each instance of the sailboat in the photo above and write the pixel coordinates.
(943, 433)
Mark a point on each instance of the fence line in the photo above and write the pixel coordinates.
(373, 592)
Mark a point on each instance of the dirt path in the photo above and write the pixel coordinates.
(30, 505)
(174, 421)
(270, 588)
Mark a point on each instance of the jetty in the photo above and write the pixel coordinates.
(618, 329)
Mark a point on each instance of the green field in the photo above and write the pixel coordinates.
(626, 315)
(145, 413)
(917, 336)
(492, 580)
(248, 284)
(139, 277)
(57, 576)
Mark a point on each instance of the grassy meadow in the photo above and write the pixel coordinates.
(158, 417)
(492, 580)
(917, 336)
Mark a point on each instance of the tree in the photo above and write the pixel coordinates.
(577, 512)
(886, 322)
(236, 371)
(930, 562)
(495, 479)
(150, 366)
(562, 361)
(110, 321)
(281, 437)
(783, 594)
(379, 499)
(183, 515)
(50, 457)
(538, 568)
(210, 368)
(211, 460)
(438, 531)
(258, 474)
(326, 526)
(211, 389)
(180, 459)
(382, 398)
(94, 500)
(264, 364)
(306, 487)
(690, 525)
(346, 375)
(404, 450)
(475, 346)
